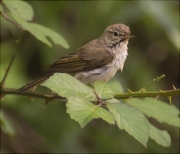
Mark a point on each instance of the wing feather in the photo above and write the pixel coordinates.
(88, 57)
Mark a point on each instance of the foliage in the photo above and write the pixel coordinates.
(22, 12)
(159, 110)
(81, 108)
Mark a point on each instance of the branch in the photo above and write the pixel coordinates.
(5, 91)
(10, 20)
(168, 93)
(12, 59)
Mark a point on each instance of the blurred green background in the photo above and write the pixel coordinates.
(154, 51)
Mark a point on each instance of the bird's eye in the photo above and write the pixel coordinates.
(115, 33)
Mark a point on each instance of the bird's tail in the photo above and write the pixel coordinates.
(32, 84)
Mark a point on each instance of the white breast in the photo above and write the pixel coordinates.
(106, 72)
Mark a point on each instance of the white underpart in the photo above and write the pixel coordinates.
(106, 72)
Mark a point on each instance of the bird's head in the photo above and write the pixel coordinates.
(115, 34)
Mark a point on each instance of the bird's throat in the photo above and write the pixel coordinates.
(120, 54)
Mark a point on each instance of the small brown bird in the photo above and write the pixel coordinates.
(98, 60)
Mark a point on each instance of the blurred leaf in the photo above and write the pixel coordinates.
(157, 109)
(41, 32)
(131, 120)
(1, 9)
(57, 39)
(83, 111)
(165, 20)
(20, 9)
(6, 126)
(65, 85)
(103, 90)
(115, 86)
(161, 137)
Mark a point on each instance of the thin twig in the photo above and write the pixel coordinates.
(154, 80)
(168, 93)
(10, 20)
(12, 59)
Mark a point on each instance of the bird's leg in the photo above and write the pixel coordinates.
(100, 102)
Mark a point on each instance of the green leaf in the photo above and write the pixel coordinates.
(159, 110)
(131, 120)
(83, 111)
(56, 38)
(160, 137)
(33, 31)
(65, 85)
(41, 32)
(103, 90)
(20, 8)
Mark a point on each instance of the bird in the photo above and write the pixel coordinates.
(99, 59)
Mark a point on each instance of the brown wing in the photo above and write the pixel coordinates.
(91, 56)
